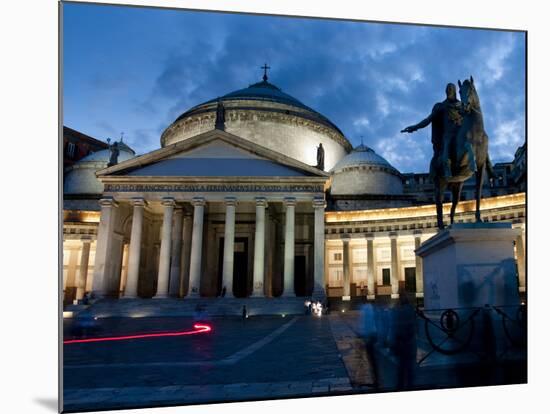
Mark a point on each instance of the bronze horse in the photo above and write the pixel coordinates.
(470, 141)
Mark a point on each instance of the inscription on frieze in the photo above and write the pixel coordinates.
(218, 188)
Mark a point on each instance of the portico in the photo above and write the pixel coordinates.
(246, 235)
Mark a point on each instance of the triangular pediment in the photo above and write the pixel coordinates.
(213, 154)
(216, 149)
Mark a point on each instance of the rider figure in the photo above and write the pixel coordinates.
(446, 120)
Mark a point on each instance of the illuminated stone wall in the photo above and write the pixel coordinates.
(366, 180)
(289, 134)
(405, 225)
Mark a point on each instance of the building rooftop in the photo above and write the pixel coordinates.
(261, 91)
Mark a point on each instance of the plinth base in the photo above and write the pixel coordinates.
(470, 265)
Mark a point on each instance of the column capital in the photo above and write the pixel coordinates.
(178, 210)
(319, 203)
(290, 201)
(417, 233)
(392, 235)
(86, 239)
(168, 202)
(138, 202)
(230, 201)
(108, 202)
(261, 202)
(369, 236)
(345, 237)
(198, 201)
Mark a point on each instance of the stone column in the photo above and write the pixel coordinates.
(371, 278)
(175, 264)
(103, 262)
(418, 271)
(124, 269)
(394, 267)
(165, 248)
(319, 249)
(131, 289)
(196, 248)
(288, 285)
(270, 247)
(83, 273)
(185, 254)
(520, 253)
(259, 248)
(229, 246)
(346, 266)
(71, 269)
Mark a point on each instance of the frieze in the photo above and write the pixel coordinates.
(218, 188)
(190, 123)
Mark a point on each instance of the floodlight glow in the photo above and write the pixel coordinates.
(198, 328)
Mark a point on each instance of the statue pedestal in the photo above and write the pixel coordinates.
(470, 265)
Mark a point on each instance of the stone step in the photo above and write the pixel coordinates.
(196, 307)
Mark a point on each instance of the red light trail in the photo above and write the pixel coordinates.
(198, 328)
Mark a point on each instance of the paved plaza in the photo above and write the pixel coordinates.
(260, 357)
(263, 357)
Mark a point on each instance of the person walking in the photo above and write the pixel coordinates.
(403, 342)
(370, 335)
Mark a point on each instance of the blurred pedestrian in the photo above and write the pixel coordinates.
(86, 298)
(244, 312)
(403, 341)
(370, 335)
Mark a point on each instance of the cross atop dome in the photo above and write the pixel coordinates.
(265, 68)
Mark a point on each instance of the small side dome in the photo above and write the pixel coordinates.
(81, 178)
(363, 172)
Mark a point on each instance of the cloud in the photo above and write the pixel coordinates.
(506, 138)
(361, 122)
(383, 105)
(381, 50)
(107, 128)
(403, 151)
(370, 79)
(141, 140)
(494, 58)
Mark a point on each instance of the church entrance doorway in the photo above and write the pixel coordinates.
(300, 282)
(240, 267)
(410, 279)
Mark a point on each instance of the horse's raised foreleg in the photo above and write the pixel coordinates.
(456, 189)
(480, 174)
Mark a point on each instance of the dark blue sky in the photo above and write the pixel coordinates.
(137, 69)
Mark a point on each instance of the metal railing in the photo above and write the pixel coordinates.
(475, 330)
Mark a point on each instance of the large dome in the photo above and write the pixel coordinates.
(363, 172)
(264, 114)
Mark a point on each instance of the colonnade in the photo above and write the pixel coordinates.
(371, 265)
(170, 257)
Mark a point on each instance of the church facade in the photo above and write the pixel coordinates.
(253, 194)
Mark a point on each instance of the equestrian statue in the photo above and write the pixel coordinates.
(460, 146)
